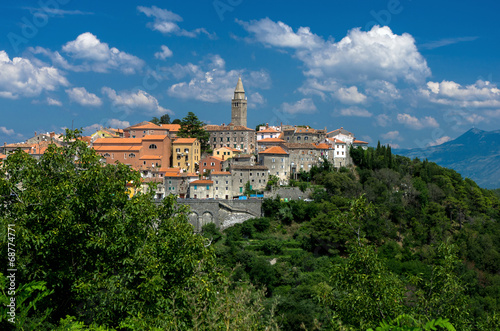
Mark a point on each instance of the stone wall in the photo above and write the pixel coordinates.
(291, 193)
(224, 213)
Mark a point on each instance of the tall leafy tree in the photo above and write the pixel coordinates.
(192, 127)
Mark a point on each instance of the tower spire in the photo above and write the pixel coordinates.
(239, 105)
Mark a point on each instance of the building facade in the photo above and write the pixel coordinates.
(186, 154)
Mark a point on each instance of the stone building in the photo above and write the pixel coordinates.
(277, 161)
(256, 175)
(239, 106)
(177, 183)
(201, 189)
(236, 134)
(222, 184)
(298, 134)
(302, 156)
(211, 163)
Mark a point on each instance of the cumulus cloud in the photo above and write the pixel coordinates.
(255, 100)
(439, 141)
(165, 52)
(417, 124)
(21, 77)
(8, 132)
(88, 53)
(209, 81)
(304, 106)
(136, 101)
(392, 136)
(350, 95)
(166, 22)
(53, 102)
(481, 94)
(116, 123)
(84, 98)
(360, 56)
(355, 112)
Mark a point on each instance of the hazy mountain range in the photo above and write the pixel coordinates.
(475, 154)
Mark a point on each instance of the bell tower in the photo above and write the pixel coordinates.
(239, 106)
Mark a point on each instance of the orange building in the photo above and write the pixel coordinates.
(147, 128)
(149, 152)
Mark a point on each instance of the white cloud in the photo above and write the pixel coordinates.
(210, 82)
(116, 123)
(98, 56)
(383, 120)
(382, 90)
(281, 35)
(138, 100)
(482, 94)
(21, 77)
(304, 106)
(166, 22)
(350, 95)
(417, 124)
(355, 111)
(255, 100)
(446, 42)
(56, 11)
(439, 141)
(391, 135)
(361, 56)
(53, 102)
(6, 131)
(84, 98)
(165, 52)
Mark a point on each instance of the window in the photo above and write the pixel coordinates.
(241, 189)
(228, 139)
(241, 146)
(106, 155)
(342, 153)
(216, 182)
(131, 155)
(227, 188)
(212, 164)
(204, 164)
(124, 155)
(217, 188)
(208, 187)
(186, 150)
(144, 131)
(282, 160)
(112, 155)
(306, 137)
(241, 180)
(218, 152)
(227, 182)
(298, 138)
(153, 146)
(215, 139)
(337, 153)
(273, 159)
(250, 174)
(196, 187)
(177, 150)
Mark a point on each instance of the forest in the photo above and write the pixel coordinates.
(388, 244)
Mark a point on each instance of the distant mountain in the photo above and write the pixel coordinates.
(475, 154)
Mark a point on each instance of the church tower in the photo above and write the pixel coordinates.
(239, 106)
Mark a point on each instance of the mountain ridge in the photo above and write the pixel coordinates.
(475, 154)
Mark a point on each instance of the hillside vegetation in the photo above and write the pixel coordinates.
(389, 242)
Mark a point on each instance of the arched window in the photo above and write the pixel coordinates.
(152, 146)
(106, 155)
(131, 155)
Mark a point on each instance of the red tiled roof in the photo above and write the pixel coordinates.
(117, 148)
(148, 126)
(359, 142)
(118, 141)
(171, 127)
(274, 150)
(154, 137)
(268, 130)
(201, 182)
(322, 146)
(184, 140)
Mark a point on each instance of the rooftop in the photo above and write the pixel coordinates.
(184, 140)
(201, 182)
(274, 150)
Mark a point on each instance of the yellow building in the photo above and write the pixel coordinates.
(225, 153)
(186, 153)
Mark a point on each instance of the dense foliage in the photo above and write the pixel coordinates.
(192, 127)
(391, 243)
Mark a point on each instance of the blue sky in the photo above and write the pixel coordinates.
(407, 73)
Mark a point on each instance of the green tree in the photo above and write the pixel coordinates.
(164, 119)
(192, 127)
(110, 259)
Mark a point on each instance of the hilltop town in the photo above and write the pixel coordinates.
(235, 161)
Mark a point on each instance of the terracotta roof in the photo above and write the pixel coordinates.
(299, 145)
(220, 173)
(148, 126)
(154, 137)
(3, 156)
(118, 141)
(201, 182)
(268, 130)
(86, 139)
(322, 146)
(165, 169)
(150, 157)
(227, 128)
(271, 140)
(171, 127)
(109, 148)
(172, 174)
(184, 140)
(211, 157)
(247, 167)
(359, 142)
(341, 130)
(274, 150)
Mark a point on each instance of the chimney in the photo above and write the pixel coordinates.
(267, 125)
(52, 134)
